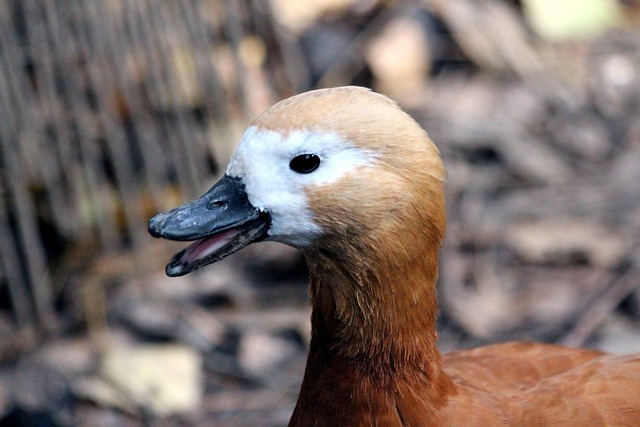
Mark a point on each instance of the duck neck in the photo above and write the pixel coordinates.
(383, 315)
(373, 335)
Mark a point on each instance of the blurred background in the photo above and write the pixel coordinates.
(113, 110)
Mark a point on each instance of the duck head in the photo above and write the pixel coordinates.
(340, 172)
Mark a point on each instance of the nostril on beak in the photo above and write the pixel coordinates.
(216, 204)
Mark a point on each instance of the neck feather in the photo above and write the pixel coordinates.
(374, 336)
(379, 314)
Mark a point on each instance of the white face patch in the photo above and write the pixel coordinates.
(262, 161)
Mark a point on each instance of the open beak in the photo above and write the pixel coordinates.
(220, 222)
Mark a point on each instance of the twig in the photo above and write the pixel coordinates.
(602, 306)
(25, 216)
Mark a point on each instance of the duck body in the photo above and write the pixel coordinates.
(514, 384)
(533, 384)
(355, 183)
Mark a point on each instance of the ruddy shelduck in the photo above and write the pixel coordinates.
(355, 183)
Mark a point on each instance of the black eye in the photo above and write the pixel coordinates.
(305, 163)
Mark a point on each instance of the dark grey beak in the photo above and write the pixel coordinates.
(221, 222)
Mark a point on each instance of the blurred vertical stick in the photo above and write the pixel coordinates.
(25, 218)
(56, 163)
(100, 72)
(93, 172)
(164, 151)
(22, 306)
(129, 100)
(146, 29)
(294, 76)
(9, 256)
(215, 99)
(180, 99)
(204, 46)
(235, 33)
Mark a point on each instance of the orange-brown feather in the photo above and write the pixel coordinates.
(373, 356)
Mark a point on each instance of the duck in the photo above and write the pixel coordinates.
(355, 183)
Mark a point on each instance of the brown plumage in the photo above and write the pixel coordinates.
(373, 356)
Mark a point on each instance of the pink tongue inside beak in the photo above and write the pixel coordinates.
(205, 247)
